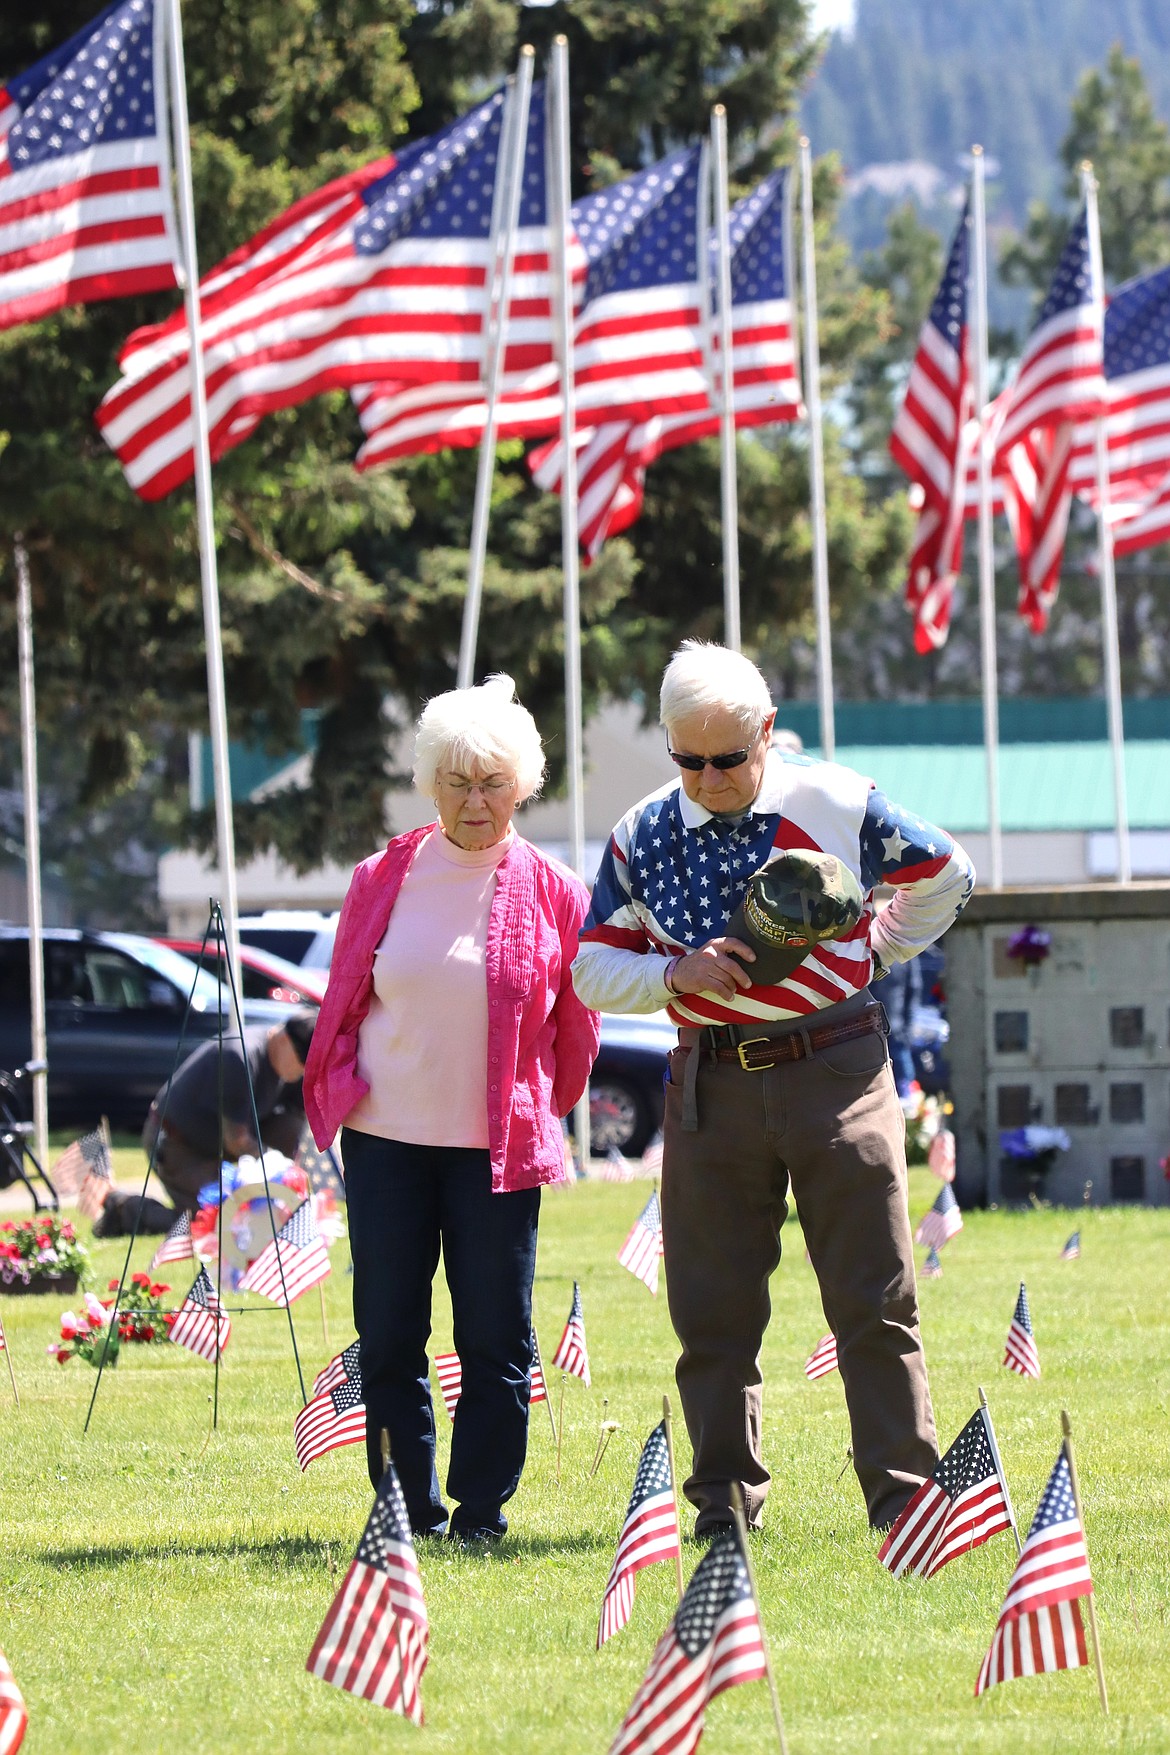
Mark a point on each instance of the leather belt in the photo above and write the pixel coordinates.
(759, 1053)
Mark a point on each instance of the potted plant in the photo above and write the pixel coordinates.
(41, 1254)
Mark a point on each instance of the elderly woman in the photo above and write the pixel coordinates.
(449, 1044)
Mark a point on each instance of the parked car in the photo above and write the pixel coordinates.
(262, 975)
(625, 1086)
(299, 935)
(115, 1006)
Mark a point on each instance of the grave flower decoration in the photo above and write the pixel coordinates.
(1030, 945)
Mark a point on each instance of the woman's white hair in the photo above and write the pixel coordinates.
(702, 679)
(482, 730)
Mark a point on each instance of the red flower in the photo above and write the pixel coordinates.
(148, 1332)
(157, 1291)
(140, 1279)
(111, 1285)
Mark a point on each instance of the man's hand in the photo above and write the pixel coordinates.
(713, 969)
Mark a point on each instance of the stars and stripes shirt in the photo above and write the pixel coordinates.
(331, 1419)
(572, 1354)
(1040, 1625)
(649, 1533)
(932, 441)
(295, 1261)
(714, 1642)
(1020, 1354)
(943, 1221)
(373, 1641)
(85, 202)
(962, 1505)
(201, 1325)
(672, 875)
(382, 274)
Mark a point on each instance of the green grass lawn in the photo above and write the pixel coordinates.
(161, 1589)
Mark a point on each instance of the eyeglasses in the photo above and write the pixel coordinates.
(733, 759)
(462, 787)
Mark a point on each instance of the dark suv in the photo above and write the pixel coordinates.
(114, 1006)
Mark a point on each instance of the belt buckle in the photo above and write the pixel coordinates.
(752, 1042)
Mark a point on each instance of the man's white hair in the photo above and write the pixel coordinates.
(702, 679)
(478, 731)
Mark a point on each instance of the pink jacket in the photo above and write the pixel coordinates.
(541, 1040)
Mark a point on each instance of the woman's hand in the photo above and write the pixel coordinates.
(713, 968)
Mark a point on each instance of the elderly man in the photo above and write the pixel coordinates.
(811, 1103)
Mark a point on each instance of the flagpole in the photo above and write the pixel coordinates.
(1109, 634)
(204, 504)
(1066, 1428)
(727, 469)
(561, 195)
(668, 1423)
(986, 554)
(32, 854)
(995, 1457)
(816, 459)
(509, 166)
(741, 1526)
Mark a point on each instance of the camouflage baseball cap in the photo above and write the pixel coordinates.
(795, 902)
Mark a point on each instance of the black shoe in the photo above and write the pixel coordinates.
(709, 1525)
(479, 1540)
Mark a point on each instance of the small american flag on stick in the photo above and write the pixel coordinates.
(449, 1371)
(961, 1506)
(1040, 1625)
(942, 1222)
(334, 1418)
(13, 1711)
(1020, 1354)
(822, 1359)
(714, 1641)
(932, 1266)
(642, 1249)
(572, 1353)
(1072, 1248)
(201, 1325)
(342, 1365)
(177, 1244)
(373, 1641)
(649, 1533)
(86, 1169)
(293, 1263)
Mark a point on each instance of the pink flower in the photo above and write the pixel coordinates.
(70, 1326)
(96, 1311)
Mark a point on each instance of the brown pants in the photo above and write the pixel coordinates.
(833, 1125)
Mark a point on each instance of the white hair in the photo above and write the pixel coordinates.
(703, 678)
(480, 730)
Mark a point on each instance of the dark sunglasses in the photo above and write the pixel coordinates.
(733, 759)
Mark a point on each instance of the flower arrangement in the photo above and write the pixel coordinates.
(86, 1334)
(37, 1253)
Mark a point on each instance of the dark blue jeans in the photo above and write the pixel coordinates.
(404, 1202)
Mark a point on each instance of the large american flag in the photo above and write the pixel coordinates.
(1040, 1625)
(334, 1417)
(932, 443)
(649, 1533)
(615, 454)
(642, 1249)
(373, 1641)
(295, 1260)
(342, 1365)
(943, 1221)
(823, 1358)
(572, 1353)
(1020, 1354)
(715, 1641)
(177, 1245)
(13, 1711)
(201, 1325)
(85, 203)
(962, 1505)
(382, 275)
(1060, 379)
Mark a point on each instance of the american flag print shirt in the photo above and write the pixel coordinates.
(672, 876)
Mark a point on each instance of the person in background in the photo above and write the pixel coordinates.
(773, 1086)
(451, 1042)
(182, 1131)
